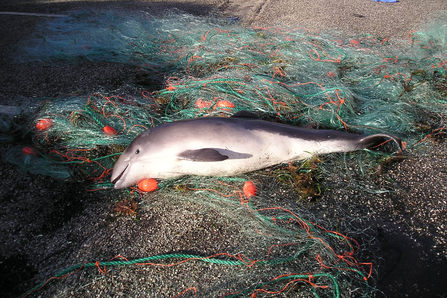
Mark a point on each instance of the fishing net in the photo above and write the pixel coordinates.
(197, 67)
(301, 75)
(277, 251)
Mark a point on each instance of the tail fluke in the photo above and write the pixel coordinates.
(379, 140)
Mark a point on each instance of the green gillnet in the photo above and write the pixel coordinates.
(278, 251)
(203, 68)
(82, 135)
(357, 83)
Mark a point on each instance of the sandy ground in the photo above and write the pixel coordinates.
(47, 226)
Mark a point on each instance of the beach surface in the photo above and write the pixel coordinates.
(47, 226)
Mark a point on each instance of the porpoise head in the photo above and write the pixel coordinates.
(128, 166)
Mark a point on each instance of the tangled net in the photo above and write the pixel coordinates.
(282, 252)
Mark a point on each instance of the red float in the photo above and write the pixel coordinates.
(28, 151)
(249, 189)
(225, 104)
(148, 185)
(109, 131)
(44, 124)
(202, 104)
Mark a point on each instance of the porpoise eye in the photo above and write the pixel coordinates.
(138, 151)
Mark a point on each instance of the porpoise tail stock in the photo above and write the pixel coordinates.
(216, 146)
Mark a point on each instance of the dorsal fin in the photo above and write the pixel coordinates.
(245, 114)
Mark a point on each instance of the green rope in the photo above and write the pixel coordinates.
(167, 256)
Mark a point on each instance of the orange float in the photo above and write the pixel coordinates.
(249, 189)
(109, 131)
(225, 104)
(202, 104)
(44, 124)
(148, 185)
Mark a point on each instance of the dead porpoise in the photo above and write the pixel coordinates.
(215, 146)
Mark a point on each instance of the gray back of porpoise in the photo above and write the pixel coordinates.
(214, 146)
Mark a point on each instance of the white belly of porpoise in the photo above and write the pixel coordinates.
(266, 150)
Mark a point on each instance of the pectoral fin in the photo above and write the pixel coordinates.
(203, 155)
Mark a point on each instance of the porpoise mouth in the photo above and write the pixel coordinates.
(119, 176)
